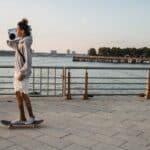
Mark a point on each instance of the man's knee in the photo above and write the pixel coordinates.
(23, 94)
(18, 93)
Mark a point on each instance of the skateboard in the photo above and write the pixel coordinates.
(8, 123)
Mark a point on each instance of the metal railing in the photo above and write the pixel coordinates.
(69, 81)
(44, 81)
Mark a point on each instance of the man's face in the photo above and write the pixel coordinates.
(19, 32)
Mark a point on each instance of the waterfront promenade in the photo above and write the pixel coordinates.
(99, 123)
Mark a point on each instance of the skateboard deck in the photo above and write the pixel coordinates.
(8, 123)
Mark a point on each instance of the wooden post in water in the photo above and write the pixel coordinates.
(85, 95)
(148, 85)
(69, 85)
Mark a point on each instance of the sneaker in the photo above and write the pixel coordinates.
(30, 120)
(17, 122)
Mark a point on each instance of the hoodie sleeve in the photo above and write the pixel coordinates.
(27, 54)
(13, 44)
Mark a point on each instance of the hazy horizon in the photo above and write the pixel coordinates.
(79, 25)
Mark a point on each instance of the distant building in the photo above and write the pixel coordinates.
(68, 51)
(53, 52)
(73, 52)
(32, 50)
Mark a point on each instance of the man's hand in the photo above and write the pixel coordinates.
(20, 77)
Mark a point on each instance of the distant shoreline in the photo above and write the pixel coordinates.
(35, 55)
(38, 54)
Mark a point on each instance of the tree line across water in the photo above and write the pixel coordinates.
(120, 52)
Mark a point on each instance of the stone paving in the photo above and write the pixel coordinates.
(100, 123)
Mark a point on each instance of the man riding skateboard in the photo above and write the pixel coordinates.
(23, 63)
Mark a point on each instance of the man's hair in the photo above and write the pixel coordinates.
(23, 25)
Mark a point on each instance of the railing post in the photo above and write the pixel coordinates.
(64, 81)
(41, 81)
(65, 75)
(68, 96)
(62, 76)
(33, 82)
(148, 86)
(55, 74)
(48, 82)
(85, 95)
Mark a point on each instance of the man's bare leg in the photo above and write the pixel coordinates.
(28, 104)
(20, 106)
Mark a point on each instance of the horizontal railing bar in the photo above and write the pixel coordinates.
(83, 77)
(119, 83)
(84, 67)
(75, 77)
(117, 77)
(80, 77)
(58, 95)
(105, 89)
(88, 83)
(6, 88)
(6, 93)
(111, 77)
(115, 89)
(109, 94)
(36, 67)
(77, 89)
(108, 68)
(80, 94)
(48, 67)
(6, 82)
(6, 76)
(45, 89)
(74, 83)
(31, 95)
(44, 83)
(11, 77)
(47, 77)
(30, 89)
(81, 89)
(32, 83)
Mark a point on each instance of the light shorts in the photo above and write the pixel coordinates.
(22, 86)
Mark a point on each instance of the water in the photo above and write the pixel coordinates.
(67, 61)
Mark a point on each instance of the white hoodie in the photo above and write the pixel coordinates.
(24, 46)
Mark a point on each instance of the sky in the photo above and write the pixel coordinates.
(79, 24)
